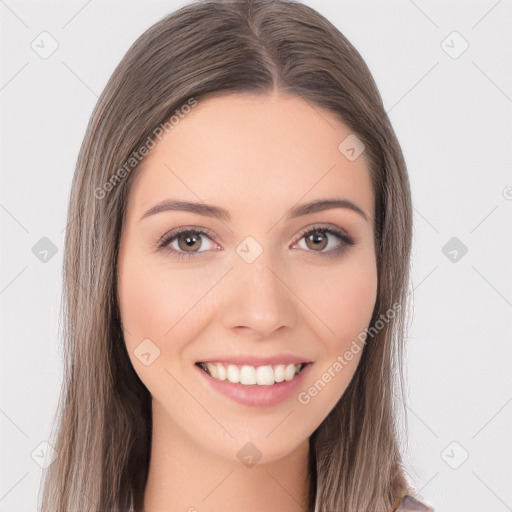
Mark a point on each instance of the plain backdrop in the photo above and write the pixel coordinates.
(444, 70)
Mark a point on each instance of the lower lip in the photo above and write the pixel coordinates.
(257, 396)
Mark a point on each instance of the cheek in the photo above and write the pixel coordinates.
(342, 298)
(354, 300)
(157, 304)
(162, 306)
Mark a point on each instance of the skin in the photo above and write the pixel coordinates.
(256, 156)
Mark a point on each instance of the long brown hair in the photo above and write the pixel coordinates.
(102, 428)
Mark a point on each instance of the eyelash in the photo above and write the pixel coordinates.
(164, 243)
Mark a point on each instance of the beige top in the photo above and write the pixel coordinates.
(410, 503)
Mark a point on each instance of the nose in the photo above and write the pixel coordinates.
(257, 298)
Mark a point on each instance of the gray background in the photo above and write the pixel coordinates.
(452, 112)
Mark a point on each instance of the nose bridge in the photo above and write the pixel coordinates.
(257, 297)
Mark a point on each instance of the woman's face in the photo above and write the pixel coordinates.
(254, 287)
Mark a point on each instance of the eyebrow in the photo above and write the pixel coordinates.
(209, 210)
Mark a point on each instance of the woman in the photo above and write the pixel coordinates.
(236, 266)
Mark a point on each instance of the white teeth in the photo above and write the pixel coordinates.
(279, 373)
(247, 375)
(233, 373)
(221, 372)
(212, 368)
(289, 372)
(264, 376)
(250, 375)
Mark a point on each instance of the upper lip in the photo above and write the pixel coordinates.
(256, 360)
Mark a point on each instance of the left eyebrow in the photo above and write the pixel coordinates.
(209, 210)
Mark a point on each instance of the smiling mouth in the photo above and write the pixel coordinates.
(249, 375)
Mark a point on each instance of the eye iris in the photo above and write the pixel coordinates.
(190, 241)
(316, 237)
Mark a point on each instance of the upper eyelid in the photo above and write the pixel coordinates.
(323, 225)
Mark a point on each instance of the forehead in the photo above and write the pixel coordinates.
(253, 151)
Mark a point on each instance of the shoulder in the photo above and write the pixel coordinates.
(410, 503)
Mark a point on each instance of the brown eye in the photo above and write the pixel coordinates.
(189, 240)
(186, 242)
(317, 241)
(319, 238)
